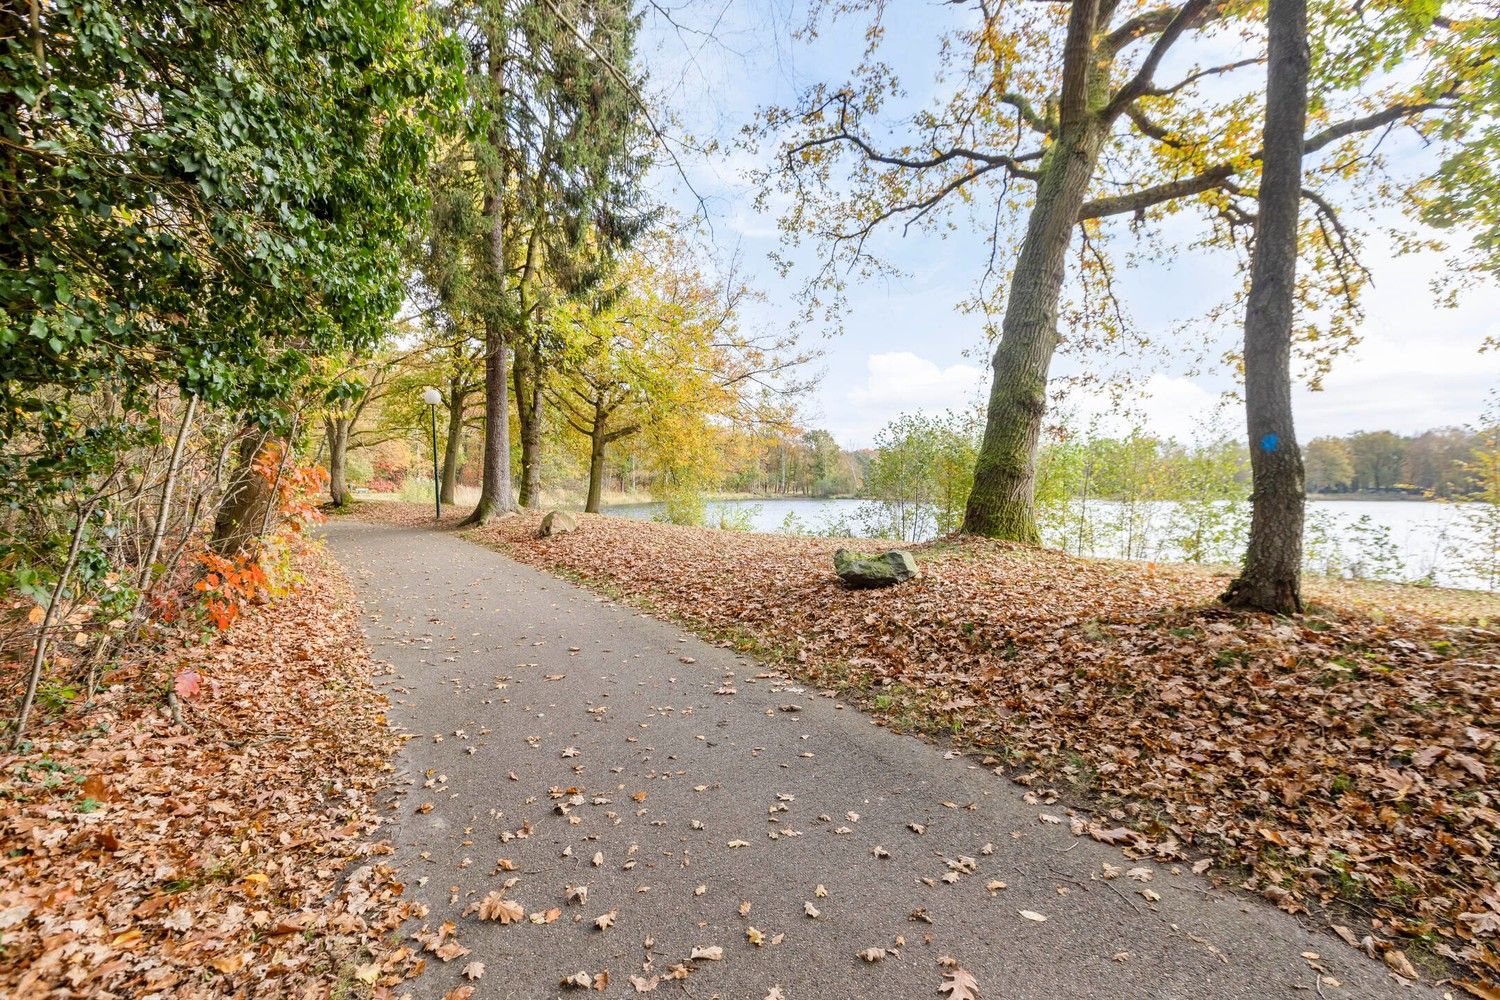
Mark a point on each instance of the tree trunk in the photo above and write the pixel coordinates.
(529, 411)
(495, 497)
(336, 432)
(453, 445)
(597, 441)
(246, 502)
(1271, 579)
(1002, 503)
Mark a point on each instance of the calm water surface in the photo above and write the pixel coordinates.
(1417, 533)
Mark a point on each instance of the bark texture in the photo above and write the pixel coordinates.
(336, 433)
(454, 441)
(528, 375)
(597, 442)
(1271, 577)
(1002, 503)
(247, 502)
(495, 497)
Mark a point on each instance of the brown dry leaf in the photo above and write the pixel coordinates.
(459, 993)
(474, 970)
(712, 953)
(296, 667)
(959, 985)
(606, 920)
(873, 954)
(494, 906)
(1400, 964)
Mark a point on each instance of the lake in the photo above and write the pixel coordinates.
(1381, 539)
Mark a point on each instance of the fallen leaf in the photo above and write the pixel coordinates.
(959, 985)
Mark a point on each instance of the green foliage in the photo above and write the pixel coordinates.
(1143, 497)
(683, 502)
(918, 482)
(740, 517)
(199, 198)
(1212, 518)
(1477, 551)
(1372, 553)
(1328, 465)
(194, 199)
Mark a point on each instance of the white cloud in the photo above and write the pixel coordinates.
(898, 382)
(1162, 405)
(1426, 381)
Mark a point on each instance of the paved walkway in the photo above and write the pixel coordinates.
(715, 803)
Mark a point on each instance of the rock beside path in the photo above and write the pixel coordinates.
(558, 522)
(884, 570)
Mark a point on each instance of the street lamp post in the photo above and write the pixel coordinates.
(432, 398)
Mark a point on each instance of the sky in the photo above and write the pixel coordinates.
(906, 347)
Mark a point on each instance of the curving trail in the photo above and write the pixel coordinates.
(707, 784)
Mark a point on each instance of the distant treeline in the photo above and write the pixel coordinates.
(1438, 462)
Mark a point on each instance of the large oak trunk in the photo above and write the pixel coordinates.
(1271, 577)
(1002, 502)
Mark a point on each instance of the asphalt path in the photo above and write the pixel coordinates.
(562, 740)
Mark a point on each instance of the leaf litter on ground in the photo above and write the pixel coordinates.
(210, 857)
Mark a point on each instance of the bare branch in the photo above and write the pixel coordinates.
(1216, 175)
(1190, 15)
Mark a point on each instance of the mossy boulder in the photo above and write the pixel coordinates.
(883, 570)
(558, 522)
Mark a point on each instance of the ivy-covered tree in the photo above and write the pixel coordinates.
(198, 199)
(194, 194)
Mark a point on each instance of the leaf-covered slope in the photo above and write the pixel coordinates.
(201, 859)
